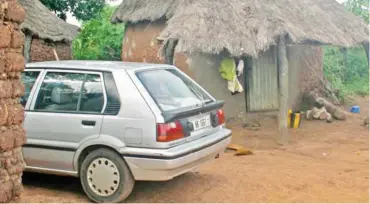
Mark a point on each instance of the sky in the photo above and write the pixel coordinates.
(74, 21)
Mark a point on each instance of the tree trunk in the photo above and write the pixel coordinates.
(283, 91)
(12, 136)
(366, 48)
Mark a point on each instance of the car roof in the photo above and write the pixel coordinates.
(92, 65)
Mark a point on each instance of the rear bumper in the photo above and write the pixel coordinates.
(161, 165)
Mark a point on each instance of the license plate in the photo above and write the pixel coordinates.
(201, 123)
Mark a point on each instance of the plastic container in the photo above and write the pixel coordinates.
(294, 119)
(355, 109)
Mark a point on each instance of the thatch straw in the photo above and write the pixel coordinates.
(42, 23)
(139, 10)
(247, 26)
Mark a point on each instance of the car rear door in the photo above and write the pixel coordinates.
(173, 95)
(66, 110)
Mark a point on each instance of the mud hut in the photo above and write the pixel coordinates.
(47, 36)
(274, 37)
(12, 135)
(200, 30)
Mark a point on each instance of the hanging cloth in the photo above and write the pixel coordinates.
(240, 68)
(228, 72)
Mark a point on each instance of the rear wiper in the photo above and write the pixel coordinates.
(208, 101)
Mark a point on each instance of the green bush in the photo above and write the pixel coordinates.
(99, 39)
(349, 77)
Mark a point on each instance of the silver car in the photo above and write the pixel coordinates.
(114, 123)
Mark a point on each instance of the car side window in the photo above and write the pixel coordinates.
(28, 78)
(60, 92)
(92, 99)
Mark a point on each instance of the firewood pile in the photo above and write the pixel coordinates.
(324, 110)
(12, 135)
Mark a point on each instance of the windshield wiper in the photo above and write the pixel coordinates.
(208, 101)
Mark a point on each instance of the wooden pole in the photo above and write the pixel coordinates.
(170, 51)
(27, 47)
(283, 91)
(55, 54)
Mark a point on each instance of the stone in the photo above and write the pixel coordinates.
(6, 192)
(4, 176)
(14, 62)
(2, 64)
(6, 139)
(18, 39)
(19, 136)
(18, 88)
(5, 36)
(17, 188)
(15, 12)
(16, 168)
(15, 114)
(6, 89)
(3, 113)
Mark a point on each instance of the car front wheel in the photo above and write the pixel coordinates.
(105, 177)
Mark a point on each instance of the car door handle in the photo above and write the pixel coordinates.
(88, 123)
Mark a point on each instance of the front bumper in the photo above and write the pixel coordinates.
(165, 164)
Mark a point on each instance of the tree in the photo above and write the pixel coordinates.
(359, 8)
(347, 69)
(81, 9)
(99, 39)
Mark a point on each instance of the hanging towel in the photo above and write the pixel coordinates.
(240, 68)
(228, 72)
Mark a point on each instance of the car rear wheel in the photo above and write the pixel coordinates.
(105, 177)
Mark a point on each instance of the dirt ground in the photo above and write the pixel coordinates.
(324, 163)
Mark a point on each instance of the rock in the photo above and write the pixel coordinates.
(309, 115)
(329, 119)
(336, 112)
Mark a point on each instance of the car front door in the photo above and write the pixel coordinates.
(66, 110)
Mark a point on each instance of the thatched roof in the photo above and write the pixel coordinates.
(246, 26)
(42, 23)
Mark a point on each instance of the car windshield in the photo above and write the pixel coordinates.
(172, 90)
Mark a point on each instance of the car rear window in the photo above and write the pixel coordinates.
(172, 90)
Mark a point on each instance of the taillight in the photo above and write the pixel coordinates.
(221, 117)
(169, 131)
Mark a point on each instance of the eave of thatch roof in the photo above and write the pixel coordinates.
(247, 26)
(140, 10)
(42, 23)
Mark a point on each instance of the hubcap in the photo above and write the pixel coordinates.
(103, 177)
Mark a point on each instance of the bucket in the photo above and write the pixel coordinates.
(355, 109)
(294, 119)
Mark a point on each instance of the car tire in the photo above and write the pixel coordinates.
(105, 177)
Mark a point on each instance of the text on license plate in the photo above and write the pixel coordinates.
(201, 123)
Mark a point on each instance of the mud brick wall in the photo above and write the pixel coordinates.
(43, 51)
(140, 45)
(12, 135)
